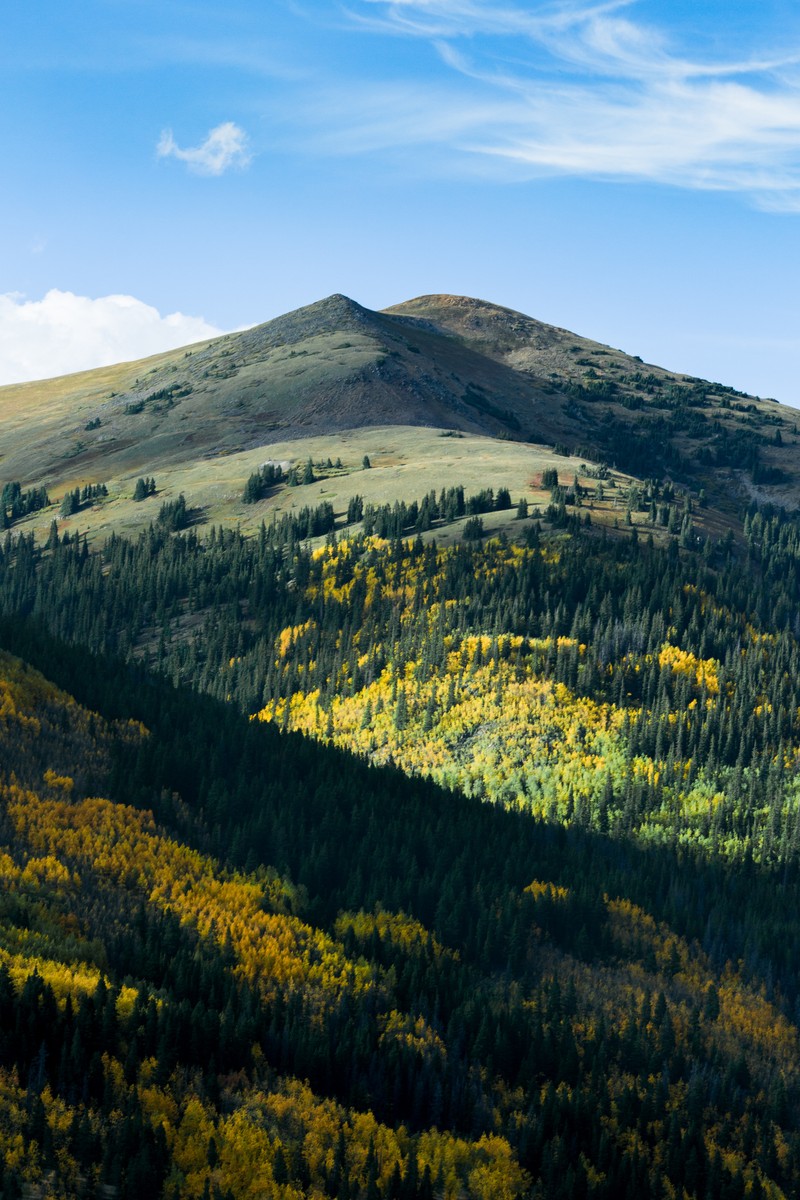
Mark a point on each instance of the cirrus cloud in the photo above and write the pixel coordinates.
(62, 333)
(226, 146)
(586, 89)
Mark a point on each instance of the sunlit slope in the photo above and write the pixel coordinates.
(683, 728)
(442, 361)
(405, 463)
(326, 368)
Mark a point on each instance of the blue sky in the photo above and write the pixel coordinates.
(628, 170)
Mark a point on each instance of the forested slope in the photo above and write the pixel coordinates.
(593, 680)
(237, 962)
(148, 994)
(475, 1003)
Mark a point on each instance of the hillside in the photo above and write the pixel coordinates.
(439, 362)
(430, 997)
(326, 368)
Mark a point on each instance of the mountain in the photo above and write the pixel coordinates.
(440, 362)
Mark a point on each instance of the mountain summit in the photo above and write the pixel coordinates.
(450, 362)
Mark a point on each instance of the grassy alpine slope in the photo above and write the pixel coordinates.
(200, 420)
(405, 462)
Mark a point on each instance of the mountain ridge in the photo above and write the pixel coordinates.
(436, 361)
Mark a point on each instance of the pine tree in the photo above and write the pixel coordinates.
(401, 711)
(71, 503)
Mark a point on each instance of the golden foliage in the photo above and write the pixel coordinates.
(273, 950)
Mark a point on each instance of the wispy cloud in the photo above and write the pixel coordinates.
(62, 333)
(225, 147)
(586, 89)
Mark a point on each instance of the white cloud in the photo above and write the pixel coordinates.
(63, 333)
(585, 89)
(225, 147)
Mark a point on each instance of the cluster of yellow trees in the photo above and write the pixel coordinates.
(273, 950)
(526, 742)
(489, 716)
(245, 1144)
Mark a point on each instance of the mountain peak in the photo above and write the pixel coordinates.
(336, 311)
(438, 360)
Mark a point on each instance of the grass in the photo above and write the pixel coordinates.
(407, 462)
